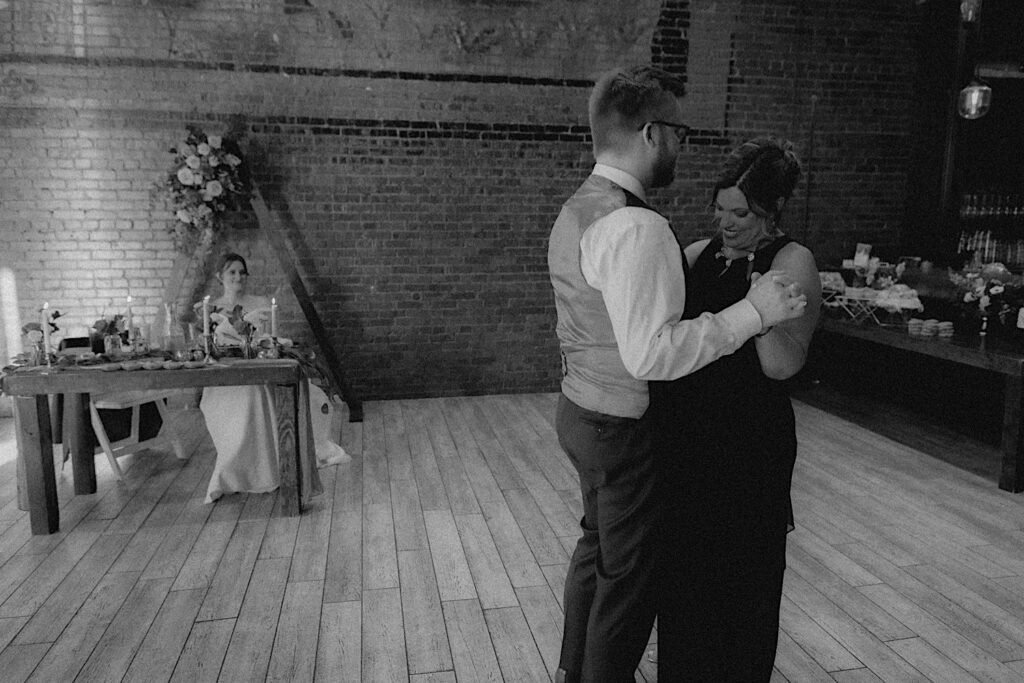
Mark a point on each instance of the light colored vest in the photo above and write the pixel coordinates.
(593, 374)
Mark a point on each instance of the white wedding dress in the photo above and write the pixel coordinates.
(243, 425)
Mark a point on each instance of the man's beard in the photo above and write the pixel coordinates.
(665, 171)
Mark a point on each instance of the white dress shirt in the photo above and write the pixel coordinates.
(632, 257)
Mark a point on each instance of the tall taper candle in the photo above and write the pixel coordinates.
(129, 320)
(45, 320)
(206, 314)
(273, 317)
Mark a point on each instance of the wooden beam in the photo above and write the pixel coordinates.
(275, 223)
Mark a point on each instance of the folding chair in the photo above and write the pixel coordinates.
(131, 444)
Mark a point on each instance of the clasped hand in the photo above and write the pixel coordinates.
(776, 297)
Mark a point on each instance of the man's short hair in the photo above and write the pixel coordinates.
(623, 99)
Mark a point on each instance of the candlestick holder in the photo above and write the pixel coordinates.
(208, 348)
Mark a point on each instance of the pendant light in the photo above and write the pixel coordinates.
(975, 98)
(969, 10)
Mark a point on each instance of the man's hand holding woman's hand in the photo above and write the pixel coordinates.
(776, 297)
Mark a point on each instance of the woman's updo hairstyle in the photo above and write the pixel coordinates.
(229, 258)
(766, 170)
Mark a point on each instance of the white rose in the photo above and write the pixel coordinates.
(193, 162)
(185, 176)
(183, 216)
(214, 141)
(214, 189)
(204, 210)
(232, 160)
(213, 160)
(996, 289)
(203, 149)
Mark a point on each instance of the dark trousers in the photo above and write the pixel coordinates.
(609, 605)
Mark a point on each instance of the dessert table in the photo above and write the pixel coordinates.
(977, 352)
(31, 386)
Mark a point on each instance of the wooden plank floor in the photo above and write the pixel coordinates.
(438, 555)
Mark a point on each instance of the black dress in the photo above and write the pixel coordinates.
(727, 444)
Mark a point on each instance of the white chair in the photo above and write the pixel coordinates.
(131, 444)
(321, 413)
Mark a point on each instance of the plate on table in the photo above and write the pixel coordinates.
(193, 364)
(99, 366)
(172, 365)
(153, 365)
(131, 365)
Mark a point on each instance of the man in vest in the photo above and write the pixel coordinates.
(618, 277)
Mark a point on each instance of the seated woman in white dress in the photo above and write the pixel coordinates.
(241, 419)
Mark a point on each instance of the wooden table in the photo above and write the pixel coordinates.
(978, 352)
(30, 388)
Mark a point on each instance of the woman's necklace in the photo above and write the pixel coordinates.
(728, 262)
(746, 255)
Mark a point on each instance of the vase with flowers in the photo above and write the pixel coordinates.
(237, 328)
(36, 337)
(990, 298)
(108, 335)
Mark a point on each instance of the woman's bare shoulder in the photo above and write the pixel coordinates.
(794, 254)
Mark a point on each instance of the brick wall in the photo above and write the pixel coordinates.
(423, 152)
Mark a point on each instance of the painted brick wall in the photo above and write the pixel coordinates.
(423, 150)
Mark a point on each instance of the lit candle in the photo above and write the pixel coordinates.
(206, 314)
(273, 317)
(128, 317)
(46, 328)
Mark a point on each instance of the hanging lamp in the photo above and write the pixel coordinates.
(975, 98)
(969, 10)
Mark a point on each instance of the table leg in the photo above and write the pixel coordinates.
(290, 445)
(1011, 478)
(35, 447)
(76, 434)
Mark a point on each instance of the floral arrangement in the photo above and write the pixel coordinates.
(991, 292)
(244, 324)
(34, 330)
(115, 324)
(207, 178)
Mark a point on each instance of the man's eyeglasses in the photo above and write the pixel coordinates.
(680, 129)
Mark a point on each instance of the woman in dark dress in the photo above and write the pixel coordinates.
(728, 439)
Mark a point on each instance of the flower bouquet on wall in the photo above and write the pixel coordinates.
(207, 179)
